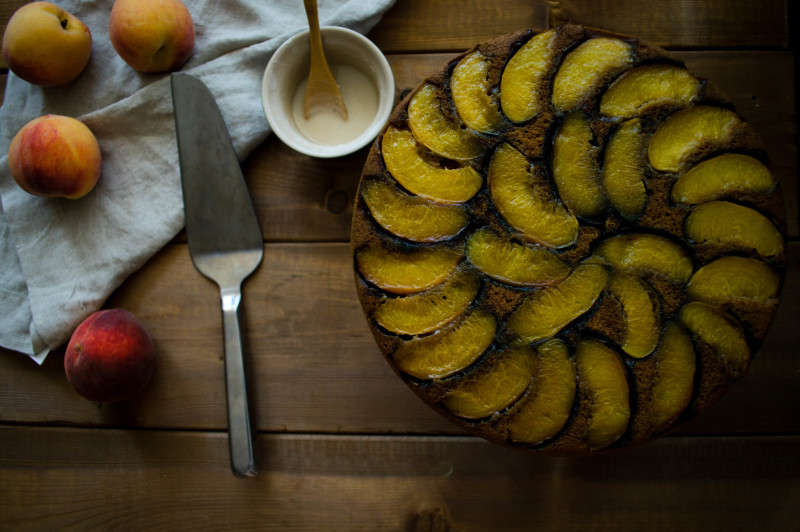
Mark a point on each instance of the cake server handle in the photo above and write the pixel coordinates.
(243, 462)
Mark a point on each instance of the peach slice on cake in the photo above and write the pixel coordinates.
(640, 307)
(575, 168)
(675, 368)
(406, 271)
(514, 263)
(436, 131)
(730, 224)
(521, 86)
(643, 253)
(729, 174)
(412, 217)
(686, 131)
(721, 331)
(447, 351)
(495, 389)
(602, 379)
(427, 311)
(525, 204)
(545, 312)
(732, 278)
(472, 95)
(586, 67)
(623, 169)
(636, 90)
(423, 178)
(546, 409)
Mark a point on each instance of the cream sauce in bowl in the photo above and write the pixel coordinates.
(326, 126)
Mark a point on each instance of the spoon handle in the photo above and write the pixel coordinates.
(313, 26)
(322, 89)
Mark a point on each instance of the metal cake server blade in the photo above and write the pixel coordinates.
(225, 240)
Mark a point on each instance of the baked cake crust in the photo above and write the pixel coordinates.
(628, 312)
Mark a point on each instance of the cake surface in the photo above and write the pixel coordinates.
(566, 242)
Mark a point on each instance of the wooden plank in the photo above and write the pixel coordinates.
(686, 24)
(422, 26)
(54, 479)
(288, 186)
(314, 364)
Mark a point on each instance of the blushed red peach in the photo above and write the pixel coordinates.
(110, 356)
(55, 155)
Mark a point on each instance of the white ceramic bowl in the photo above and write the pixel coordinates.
(289, 66)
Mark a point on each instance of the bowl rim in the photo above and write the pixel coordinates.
(307, 147)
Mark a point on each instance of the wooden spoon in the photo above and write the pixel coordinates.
(322, 90)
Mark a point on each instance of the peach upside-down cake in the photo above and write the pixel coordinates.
(564, 241)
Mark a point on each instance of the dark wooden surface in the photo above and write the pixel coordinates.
(343, 444)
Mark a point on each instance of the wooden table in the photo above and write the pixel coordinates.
(343, 443)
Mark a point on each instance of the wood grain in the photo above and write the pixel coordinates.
(423, 26)
(687, 23)
(314, 365)
(108, 479)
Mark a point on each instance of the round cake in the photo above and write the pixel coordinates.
(566, 242)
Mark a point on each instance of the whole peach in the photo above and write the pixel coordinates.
(55, 155)
(152, 35)
(110, 356)
(46, 45)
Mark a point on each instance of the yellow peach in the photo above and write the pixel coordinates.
(46, 45)
(152, 35)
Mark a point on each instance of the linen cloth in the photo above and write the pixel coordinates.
(60, 259)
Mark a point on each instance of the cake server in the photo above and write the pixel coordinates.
(225, 241)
